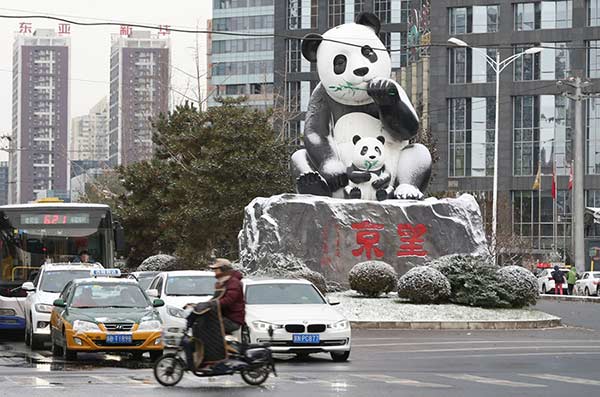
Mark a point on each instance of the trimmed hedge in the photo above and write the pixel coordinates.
(424, 284)
(373, 278)
(159, 263)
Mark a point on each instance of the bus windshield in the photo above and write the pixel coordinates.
(30, 237)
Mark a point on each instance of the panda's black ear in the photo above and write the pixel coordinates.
(370, 20)
(310, 43)
(355, 139)
(381, 139)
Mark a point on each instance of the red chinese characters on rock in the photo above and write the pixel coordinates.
(24, 27)
(125, 30)
(163, 30)
(64, 28)
(411, 238)
(368, 238)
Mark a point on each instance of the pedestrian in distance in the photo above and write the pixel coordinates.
(559, 279)
(572, 277)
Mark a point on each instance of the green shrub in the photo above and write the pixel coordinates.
(159, 263)
(519, 286)
(372, 278)
(424, 284)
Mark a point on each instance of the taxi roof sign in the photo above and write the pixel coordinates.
(105, 273)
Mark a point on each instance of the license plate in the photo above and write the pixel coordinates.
(8, 321)
(306, 338)
(118, 339)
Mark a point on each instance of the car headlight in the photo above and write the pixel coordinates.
(7, 312)
(85, 326)
(263, 325)
(344, 324)
(176, 312)
(43, 308)
(152, 325)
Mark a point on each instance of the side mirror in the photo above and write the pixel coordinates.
(158, 303)
(28, 286)
(59, 303)
(333, 302)
(120, 245)
(152, 293)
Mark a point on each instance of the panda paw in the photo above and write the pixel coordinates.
(381, 194)
(383, 91)
(312, 183)
(355, 193)
(408, 192)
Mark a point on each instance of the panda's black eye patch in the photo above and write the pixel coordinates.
(364, 150)
(368, 53)
(378, 151)
(339, 64)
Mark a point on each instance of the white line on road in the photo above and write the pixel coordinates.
(566, 379)
(404, 382)
(508, 355)
(465, 342)
(490, 349)
(489, 381)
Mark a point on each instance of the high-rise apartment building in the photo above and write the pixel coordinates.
(241, 65)
(536, 123)
(295, 77)
(89, 134)
(139, 91)
(38, 159)
(3, 182)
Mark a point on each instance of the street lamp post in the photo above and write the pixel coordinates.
(498, 66)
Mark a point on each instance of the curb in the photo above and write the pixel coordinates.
(570, 298)
(457, 325)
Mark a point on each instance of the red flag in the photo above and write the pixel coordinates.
(553, 182)
(571, 177)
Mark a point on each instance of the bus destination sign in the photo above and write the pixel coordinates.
(55, 219)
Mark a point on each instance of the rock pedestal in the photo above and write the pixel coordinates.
(332, 235)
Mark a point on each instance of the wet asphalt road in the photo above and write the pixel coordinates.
(553, 362)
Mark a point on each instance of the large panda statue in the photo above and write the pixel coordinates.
(356, 96)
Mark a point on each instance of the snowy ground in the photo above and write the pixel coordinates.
(389, 308)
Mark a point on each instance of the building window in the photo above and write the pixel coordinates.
(302, 14)
(593, 136)
(470, 66)
(549, 64)
(593, 12)
(593, 59)
(471, 126)
(383, 10)
(293, 97)
(399, 42)
(527, 66)
(541, 134)
(336, 12)
(294, 55)
(545, 15)
(476, 19)
(592, 199)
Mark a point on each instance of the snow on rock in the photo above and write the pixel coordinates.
(424, 284)
(373, 278)
(325, 233)
(160, 263)
(389, 308)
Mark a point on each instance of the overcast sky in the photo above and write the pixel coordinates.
(90, 46)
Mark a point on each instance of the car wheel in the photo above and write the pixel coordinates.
(56, 349)
(36, 342)
(27, 336)
(339, 357)
(587, 291)
(68, 354)
(543, 288)
(155, 355)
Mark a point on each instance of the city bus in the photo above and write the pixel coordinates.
(48, 232)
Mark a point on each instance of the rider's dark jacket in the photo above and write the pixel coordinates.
(232, 301)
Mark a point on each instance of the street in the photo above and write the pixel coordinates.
(450, 363)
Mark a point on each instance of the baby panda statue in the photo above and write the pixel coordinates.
(357, 96)
(368, 179)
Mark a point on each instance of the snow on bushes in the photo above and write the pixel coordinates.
(372, 278)
(290, 267)
(159, 263)
(519, 284)
(424, 284)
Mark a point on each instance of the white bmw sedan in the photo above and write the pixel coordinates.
(292, 316)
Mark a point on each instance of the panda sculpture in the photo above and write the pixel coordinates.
(368, 179)
(357, 96)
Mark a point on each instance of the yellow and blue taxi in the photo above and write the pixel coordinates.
(104, 314)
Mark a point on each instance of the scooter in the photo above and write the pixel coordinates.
(253, 362)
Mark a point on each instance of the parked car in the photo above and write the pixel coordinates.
(588, 284)
(104, 314)
(177, 289)
(45, 288)
(546, 282)
(143, 278)
(294, 317)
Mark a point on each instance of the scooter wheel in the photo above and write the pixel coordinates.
(169, 369)
(255, 377)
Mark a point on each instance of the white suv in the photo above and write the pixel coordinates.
(45, 288)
